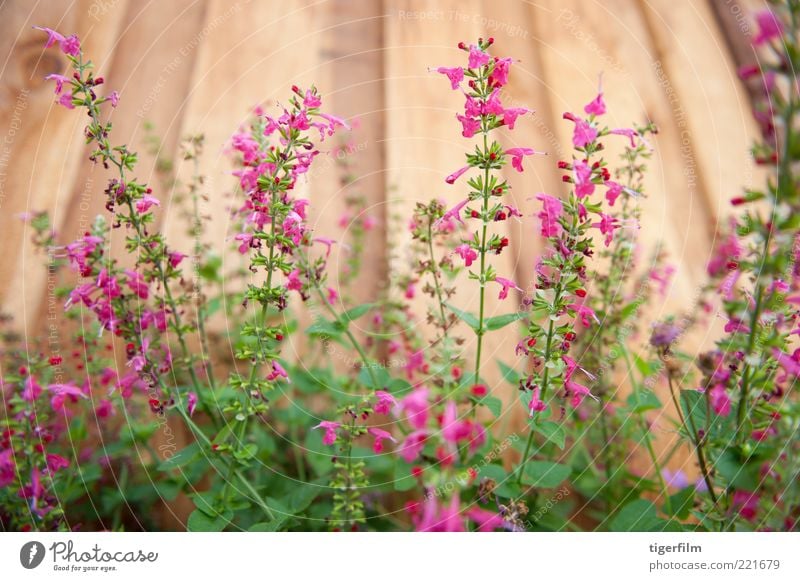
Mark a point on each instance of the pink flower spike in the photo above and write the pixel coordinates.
(467, 253)
(191, 403)
(380, 436)
(506, 284)
(517, 153)
(451, 179)
(329, 439)
(455, 74)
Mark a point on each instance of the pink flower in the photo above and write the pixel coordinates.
(311, 101)
(746, 504)
(412, 446)
(629, 133)
(720, 402)
(32, 390)
(453, 213)
(451, 179)
(137, 284)
(573, 388)
(596, 106)
(191, 403)
(510, 116)
(385, 402)
(410, 290)
(114, 98)
(66, 101)
(329, 439)
(146, 202)
(293, 281)
(550, 214)
(62, 391)
(467, 253)
(584, 313)
(175, 258)
(583, 179)
(499, 74)
(727, 254)
(536, 404)
(613, 192)
(583, 134)
(415, 406)
(493, 106)
(453, 429)
(517, 153)
(486, 520)
(246, 240)
(435, 518)
(469, 125)
(52, 36)
(506, 284)
(789, 363)
(455, 74)
(277, 371)
(327, 242)
(769, 27)
(380, 436)
(477, 58)
(332, 295)
(69, 45)
(607, 225)
(59, 79)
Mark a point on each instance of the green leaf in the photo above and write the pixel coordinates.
(325, 329)
(355, 312)
(468, 318)
(640, 515)
(645, 367)
(681, 503)
(510, 374)
(301, 496)
(643, 400)
(543, 474)
(199, 521)
(181, 458)
(500, 321)
(694, 408)
(494, 404)
(402, 477)
(552, 431)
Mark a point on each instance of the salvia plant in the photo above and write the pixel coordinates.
(400, 422)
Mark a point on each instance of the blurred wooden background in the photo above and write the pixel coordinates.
(199, 66)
